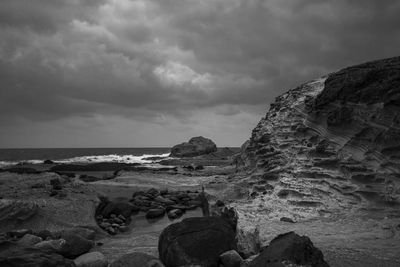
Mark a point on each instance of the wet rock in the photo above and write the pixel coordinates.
(136, 259)
(91, 259)
(29, 240)
(291, 248)
(195, 147)
(155, 213)
(231, 259)
(213, 235)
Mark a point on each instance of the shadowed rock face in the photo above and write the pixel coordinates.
(331, 143)
(195, 147)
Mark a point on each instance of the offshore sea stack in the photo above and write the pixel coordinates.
(331, 143)
(195, 147)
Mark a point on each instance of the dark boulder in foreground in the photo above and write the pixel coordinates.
(290, 248)
(195, 147)
(196, 241)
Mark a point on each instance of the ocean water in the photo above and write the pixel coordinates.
(84, 155)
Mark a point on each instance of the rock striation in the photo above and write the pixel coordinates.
(195, 147)
(329, 144)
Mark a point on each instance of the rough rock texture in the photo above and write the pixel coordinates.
(290, 248)
(25, 205)
(136, 259)
(195, 147)
(11, 256)
(196, 241)
(92, 259)
(330, 144)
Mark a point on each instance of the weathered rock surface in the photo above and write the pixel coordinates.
(26, 206)
(137, 259)
(330, 144)
(91, 259)
(195, 147)
(29, 257)
(290, 248)
(196, 241)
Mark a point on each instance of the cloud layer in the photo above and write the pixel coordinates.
(156, 72)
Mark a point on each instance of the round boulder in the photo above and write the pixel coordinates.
(196, 241)
(195, 147)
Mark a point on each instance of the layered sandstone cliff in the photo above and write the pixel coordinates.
(330, 144)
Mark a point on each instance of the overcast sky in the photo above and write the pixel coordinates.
(127, 73)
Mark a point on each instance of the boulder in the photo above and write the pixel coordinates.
(75, 245)
(91, 259)
(290, 248)
(231, 259)
(48, 161)
(196, 241)
(137, 259)
(195, 147)
(155, 213)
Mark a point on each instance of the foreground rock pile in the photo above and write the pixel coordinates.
(214, 242)
(69, 247)
(330, 144)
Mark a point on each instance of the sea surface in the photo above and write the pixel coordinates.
(84, 155)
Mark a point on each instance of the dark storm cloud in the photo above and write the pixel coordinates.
(161, 60)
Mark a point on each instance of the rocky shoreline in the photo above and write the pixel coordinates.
(322, 165)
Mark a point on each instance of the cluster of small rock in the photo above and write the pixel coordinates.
(158, 203)
(114, 224)
(114, 217)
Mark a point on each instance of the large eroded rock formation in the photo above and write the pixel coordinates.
(330, 144)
